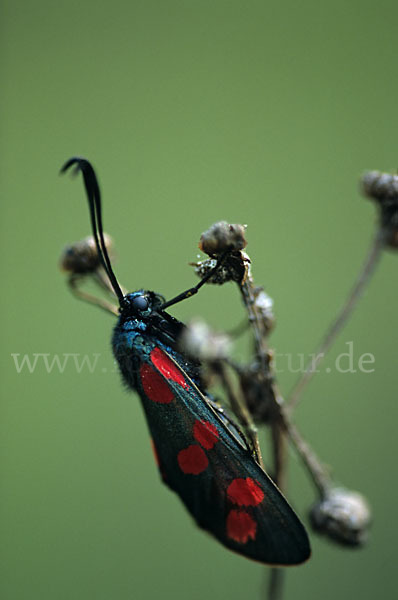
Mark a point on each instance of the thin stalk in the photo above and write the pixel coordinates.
(318, 472)
(238, 406)
(337, 325)
(276, 583)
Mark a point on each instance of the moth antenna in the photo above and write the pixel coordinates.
(94, 202)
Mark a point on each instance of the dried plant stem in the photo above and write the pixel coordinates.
(275, 582)
(281, 425)
(362, 281)
(281, 422)
(102, 280)
(239, 407)
(279, 451)
(74, 285)
(277, 576)
(256, 322)
(319, 472)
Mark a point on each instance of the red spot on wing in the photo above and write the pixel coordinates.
(192, 460)
(166, 366)
(245, 492)
(241, 527)
(154, 386)
(205, 433)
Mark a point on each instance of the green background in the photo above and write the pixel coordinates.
(264, 113)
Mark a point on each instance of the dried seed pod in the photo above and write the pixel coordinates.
(236, 268)
(257, 388)
(81, 258)
(342, 515)
(379, 185)
(201, 343)
(221, 237)
(383, 188)
(264, 304)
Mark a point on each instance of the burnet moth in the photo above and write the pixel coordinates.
(201, 455)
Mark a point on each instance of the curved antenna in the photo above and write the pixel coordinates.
(94, 203)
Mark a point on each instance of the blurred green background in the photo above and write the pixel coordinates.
(264, 113)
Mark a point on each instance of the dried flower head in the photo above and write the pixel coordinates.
(343, 515)
(222, 237)
(236, 268)
(81, 258)
(383, 188)
(203, 344)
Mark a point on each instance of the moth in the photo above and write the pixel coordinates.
(201, 454)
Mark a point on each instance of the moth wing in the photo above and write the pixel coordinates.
(222, 486)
